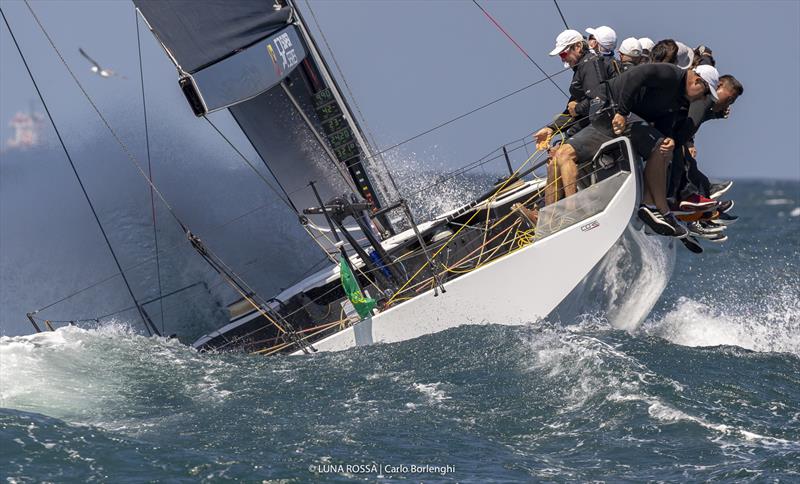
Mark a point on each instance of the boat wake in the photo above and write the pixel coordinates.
(626, 284)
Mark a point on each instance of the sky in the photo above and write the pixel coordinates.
(407, 66)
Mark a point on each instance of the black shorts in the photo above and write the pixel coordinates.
(587, 141)
(644, 139)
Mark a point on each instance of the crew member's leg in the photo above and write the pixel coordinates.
(579, 148)
(647, 142)
(677, 173)
(566, 159)
(655, 179)
(698, 178)
(551, 192)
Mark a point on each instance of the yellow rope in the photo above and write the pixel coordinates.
(276, 348)
(477, 211)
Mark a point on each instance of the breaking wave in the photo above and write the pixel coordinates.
(771, 326)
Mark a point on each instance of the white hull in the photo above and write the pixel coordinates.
(531, 283)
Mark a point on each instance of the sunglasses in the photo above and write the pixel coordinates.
(564, 54)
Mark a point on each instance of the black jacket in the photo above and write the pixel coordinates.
(689, 118)
(655, 93)
(588, 78)
(698, 115)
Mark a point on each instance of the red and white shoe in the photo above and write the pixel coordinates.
(698, 203)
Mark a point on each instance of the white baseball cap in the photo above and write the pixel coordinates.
(647, 43)
(685, 55)
(605, 36)
(711, 76)
(631, 47)
(565, 39)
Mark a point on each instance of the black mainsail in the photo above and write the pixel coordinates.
(256, 59)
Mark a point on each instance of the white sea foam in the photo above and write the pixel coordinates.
(795, 212)
(432, 392)
(666, 413)
(580, 366)
(638, 277)
(773, 327)
(91, 375)
(777, 201)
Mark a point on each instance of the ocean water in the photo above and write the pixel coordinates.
(708, 388)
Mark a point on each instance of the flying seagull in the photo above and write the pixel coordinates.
(96, 67)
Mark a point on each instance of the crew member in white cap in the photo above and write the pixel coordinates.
(686, 182)
(602, 40)
(588, 78)
(647, 46)
(630, 52)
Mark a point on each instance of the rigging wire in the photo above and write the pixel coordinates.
(282, 195)
(561, 14)
(472, 111)
(149, 170)
(147, 324)
(518, 46)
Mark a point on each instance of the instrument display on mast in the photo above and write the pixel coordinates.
(340, 137)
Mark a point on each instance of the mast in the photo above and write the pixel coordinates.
(361, 177)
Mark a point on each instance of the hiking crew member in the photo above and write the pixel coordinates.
(589, 76)
(630, 53)
(665, 51)
(654, 93)
(686, 179)
(647, 48)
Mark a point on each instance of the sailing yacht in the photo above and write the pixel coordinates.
(481, 263)
(364, 269)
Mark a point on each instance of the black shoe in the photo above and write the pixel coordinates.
(719, 189)
(724, 219)
(705, 231)
(725, 206)
(718, 239)
(678, 228)
(692, 244)
(653, 219)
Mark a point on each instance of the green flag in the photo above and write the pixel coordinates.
(363, 305)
